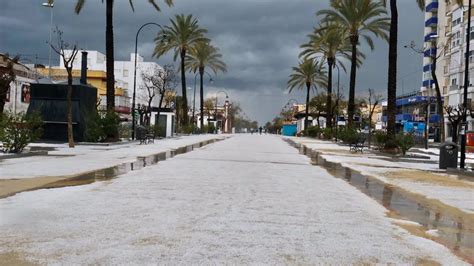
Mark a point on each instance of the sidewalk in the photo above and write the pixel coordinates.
(414, 174)
(63, 163)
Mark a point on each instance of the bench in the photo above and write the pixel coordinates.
(144, 136)
(358, 145)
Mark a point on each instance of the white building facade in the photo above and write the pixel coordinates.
(447, 21)
(124, 70)
(18, 95)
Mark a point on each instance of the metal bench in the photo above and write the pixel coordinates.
(144, 136)
(358, 145)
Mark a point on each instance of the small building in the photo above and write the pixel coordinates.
(17, 97)
(166, 121)
(50, 101)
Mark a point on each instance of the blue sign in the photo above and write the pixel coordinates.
(414, 127)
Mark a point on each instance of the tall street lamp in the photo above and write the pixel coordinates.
(466, 84)
(135, 75)
(194, 98)
(215, 114)
(50, 5)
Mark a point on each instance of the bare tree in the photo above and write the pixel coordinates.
(455, 115)
(68, 60)
(156, 84)
(374, 101)
(441, 49)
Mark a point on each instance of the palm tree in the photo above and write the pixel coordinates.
(392, 64)
(200, 56)
(329, 42)
(209, 105)
(109, 43)
(183, 34)
(310, 73)
(360, 18)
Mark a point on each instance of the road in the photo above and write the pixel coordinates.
(246, 200)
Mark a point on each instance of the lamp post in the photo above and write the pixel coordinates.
(135, 75)
(466, 84)
(194, 98)
(215, 114)
(50, 5)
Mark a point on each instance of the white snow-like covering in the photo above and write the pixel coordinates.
(245, 200)
(86, 158)
(376, 166)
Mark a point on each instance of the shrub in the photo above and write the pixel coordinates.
(125, 130)
(188, 129)
(94, 131)
(328, 133)
(404, 142)
(210, 129)
(18, 130)
(348, 135)
(110, 124)
(312, 131)
(159, 130)
(380, 138)
(103, 128)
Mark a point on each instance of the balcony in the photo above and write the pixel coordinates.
(427, 68)
(428, 83)
(453, 87)
(432, 22)
(431, 52)
(122, 104)
(429, 36)
(432, 7)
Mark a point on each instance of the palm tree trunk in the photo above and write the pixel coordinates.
(148, 111)
(351, 103)
(308, 87)
(201, 97)
(70, 136)
(109, 50)
(2, 106)
(329, 96)
(184, 120)
(439, 100)
(392, 70)
(157, 120)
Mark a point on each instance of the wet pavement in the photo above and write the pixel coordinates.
(448, 226)
(245, 200)
(9, 187)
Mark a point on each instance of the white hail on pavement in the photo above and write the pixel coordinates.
(246, 200)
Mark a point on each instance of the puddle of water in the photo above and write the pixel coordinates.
(455, 229)
(115, 171)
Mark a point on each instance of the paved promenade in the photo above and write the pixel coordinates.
(246, 200)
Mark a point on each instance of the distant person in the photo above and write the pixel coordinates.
(260, 130)
(251, 131)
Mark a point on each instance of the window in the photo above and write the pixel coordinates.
(456, 39)
(454, 81)
(456, 22)
(125, 73)
(25, 93)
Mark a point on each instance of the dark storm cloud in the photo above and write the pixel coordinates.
(258, 38)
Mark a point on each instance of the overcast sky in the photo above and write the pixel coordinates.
(259, 40)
